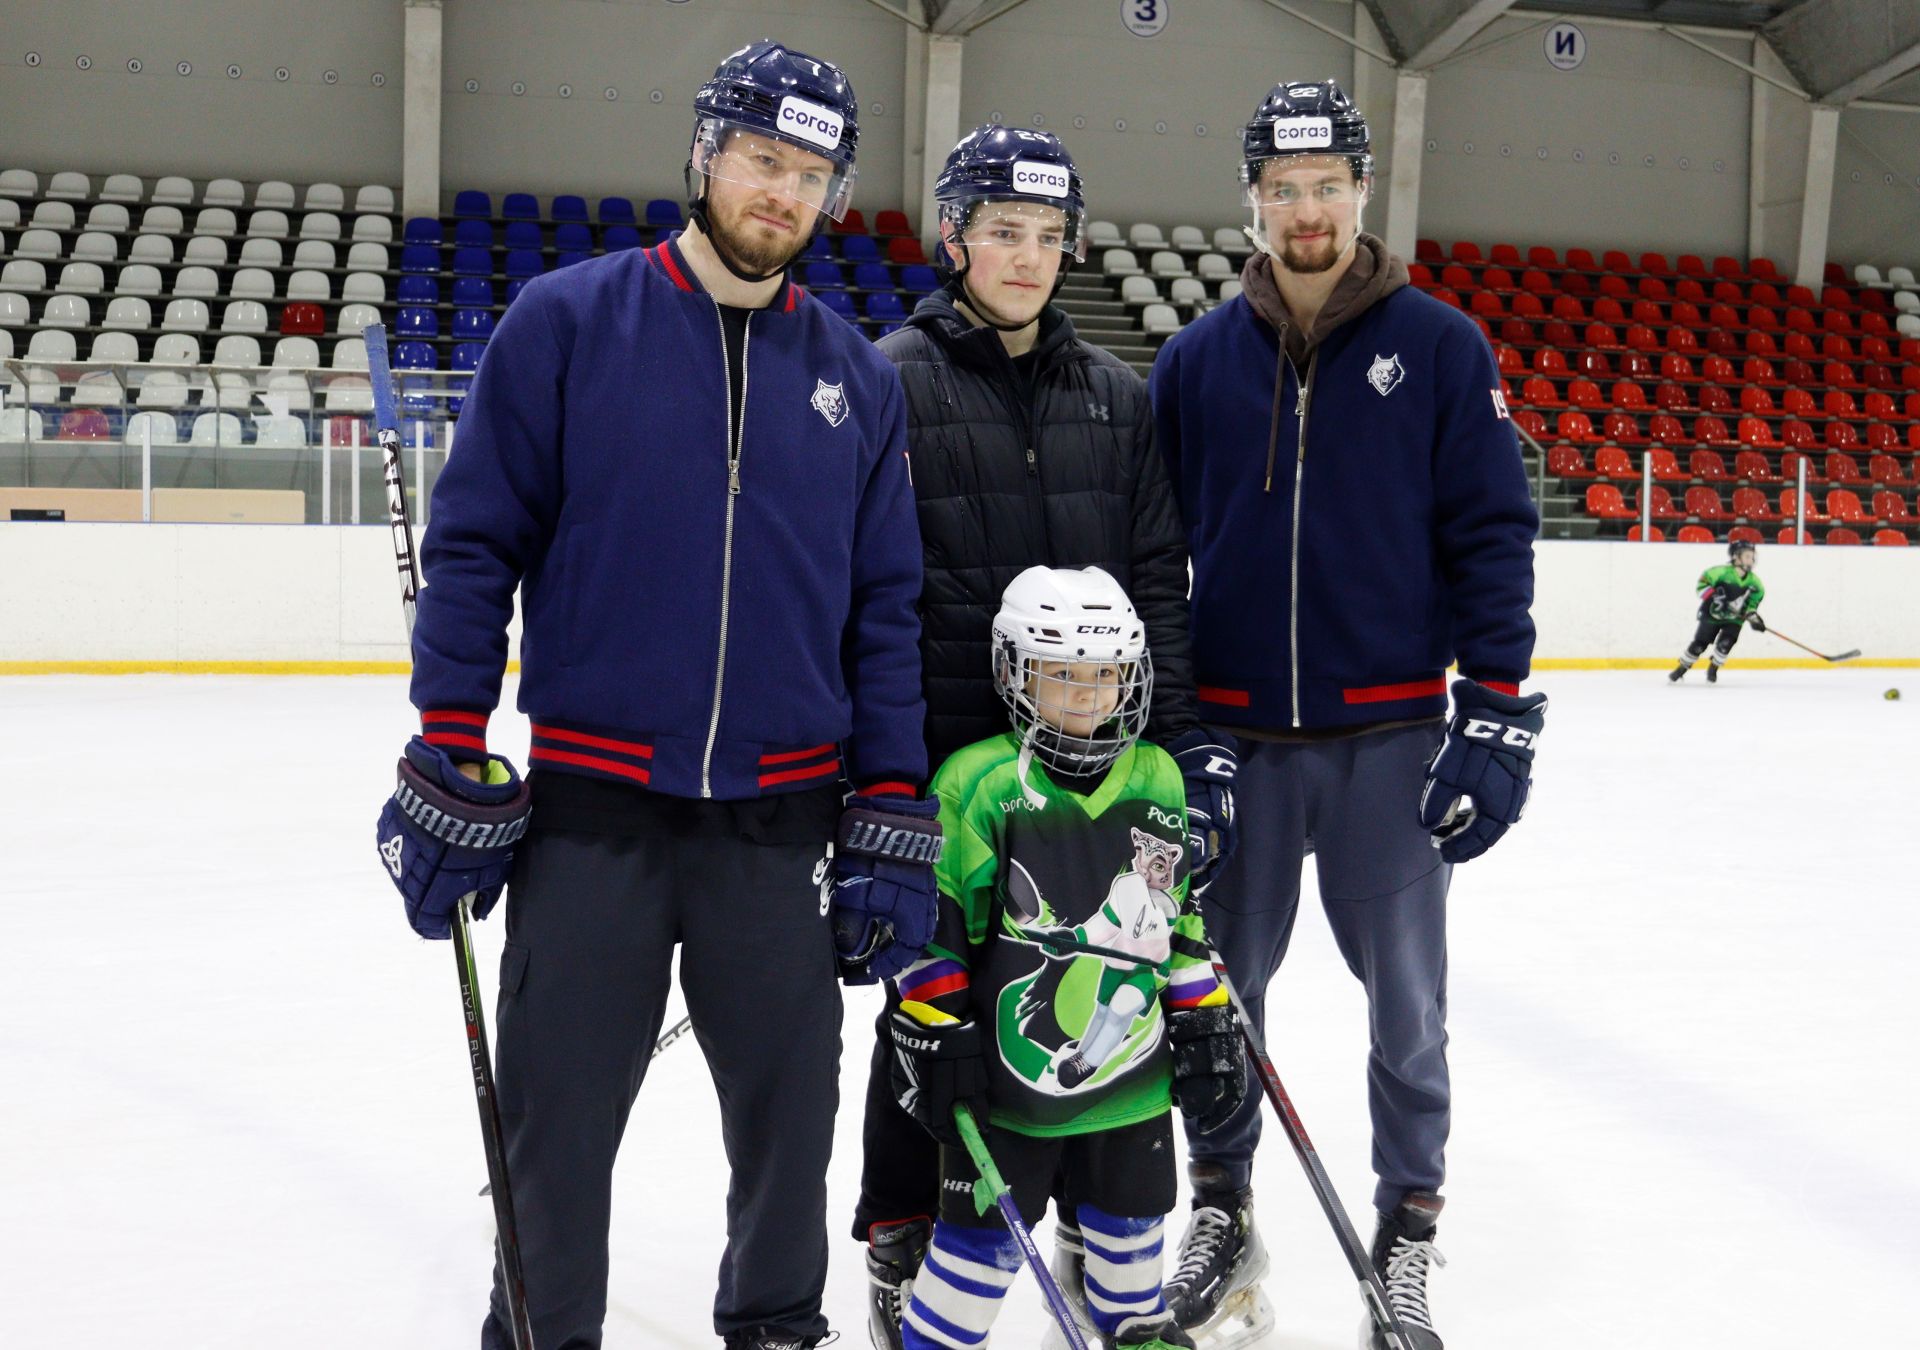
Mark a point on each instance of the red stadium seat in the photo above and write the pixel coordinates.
(1690, 290)
(1762, 269)
(1722, 343)
(851, 223)
(1674, 366)
(1608, 309)
(1835, 347)
(1582, 259)
(1487, 304)
(1504, 255)
(1660, 502)
(1882, 437)
(1594, 365)
(1538, 392)
(1610, 461)
(1756, 433)
(1457, 277)
(1536, 281)
(1719, 370)
(1641, 338)
(1557, 334)
(1427, 250)
(1636, 366)
(1528, 305)
(1797, 372)
(888, 224)
(1797, 403)
(1844, 504)
(1604, 500)
(1840, 375)
(1712, 431)
(1759, 370)
(1550, 361)
(1499, 279)
(1566, 461)
(1761, 344)
(1703, 503)
(1603, 336)
(1655, 264)
(1876, 376)
(1568, 307)
(1690, 265)
(1843, 535)
(1654, 534)
(1714, 399)
(1672, 398)
(1613, 260)
(1798, 435)
(303, 319)
(1665, 429)
(1756, 400)
(1886, 469)
(1834, 275)
(1678, 339)
(1582, 393)
(1622, 429)
(1750, 503)
(1724, 316)
(1752, 467)
(1788, 500)
(1707, 466)
(1881, 408)
(1517, 331)
(1509, 361)
(1891, 507)
(1695, 534)
(1541, 256)
(1420, 276)
(1466, 251)
(1743, 532)
(1666, 468)
(1790, 467)
(905, 251)
(1892, 538)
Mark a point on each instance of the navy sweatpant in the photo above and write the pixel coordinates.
(1384, 889)
(592, 922)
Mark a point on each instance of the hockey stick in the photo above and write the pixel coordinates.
(1844, 656)
(1371, 1289)
(479, 1056)
(991, 1190)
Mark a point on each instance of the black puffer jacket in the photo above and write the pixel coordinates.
(1069, 479)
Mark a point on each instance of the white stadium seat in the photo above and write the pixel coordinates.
(314, 253)
(185, 316)
(54, 215)
(102, 387)
(1215, 267)
(96, 246)
(1229, 289)
(374, 197)
(251, 283)
(1900, 276)
(19, 183)
(1104, 234)
(109, 216)
(163, 389)
(121, 187)
(373, 229)
(173, 191)
(196, 281)
(1139, 290)
(354, 319)
(9, 211)
(176, 349)
(1145, 237)
(274, 194)
(221, 428)
(244, 316)
(128, 311)
(268, 224)
(1158, 320)
(67, 311)
(349, 393)
(1232, 241)
(320, 225)
(162, 219)
(1188, 239)
(152, 248)
(24, 274)
(1906, 302)
(1187, 291)
(73, 186)
(296, 353)
(81, 278)
(308, 285)
(1167, 263)
(364, 286)
(369, 258)
(53, 344)
(164, 430)
(21, 424)
(262, 253)
(225, 192)
(216, 220)
(137, 279)
(14, 310)
(37, 244)
(282, 432)
(1119, 262)
(206, 250)
(325, 197)
(1866, 274)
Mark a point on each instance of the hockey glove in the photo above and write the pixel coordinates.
(1478, 780)
(443, 836)
(1208, 762)
(1755, 622)
(884, 898)
(1209, 1065)
(936, 1068)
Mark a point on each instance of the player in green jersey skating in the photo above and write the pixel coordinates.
(1730, 596)
(1068, 996)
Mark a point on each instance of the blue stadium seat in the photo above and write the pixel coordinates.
(823, 276)
(567, 257)
(573, 237)
(472, 234)
(885, 306)
(873, 276)
(820, 250)
(919, 278)
(473, 262)
(886, 328)
(419, 258)
(520, 206)
(859, 248)
(525, 262)
(471, 203)
(422, 230)
(472, 291)
(570, 208)
(413, 355)
(617, 211)
(840, 303)
(617, 237)
(418, 290)
(473, 325)
(416, 321)
(523, 234)
(663, 213)
(466, 359)
(514, 287)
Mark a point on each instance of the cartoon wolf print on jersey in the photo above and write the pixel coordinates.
(1132, 927)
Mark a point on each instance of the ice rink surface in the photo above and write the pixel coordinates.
(234, 1113)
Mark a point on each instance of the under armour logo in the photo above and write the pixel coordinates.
(391, 852)
(1099, 413)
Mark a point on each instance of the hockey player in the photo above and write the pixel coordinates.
(1359, 518)
(1030, 447)
(1067, 998)
(695, 475)
(1730, 596)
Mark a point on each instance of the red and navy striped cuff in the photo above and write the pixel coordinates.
(1511, 688)
(799, 766)
(463, 735)
(603, 756)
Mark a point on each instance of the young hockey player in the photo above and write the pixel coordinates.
(1068, 998)
(1730, 595)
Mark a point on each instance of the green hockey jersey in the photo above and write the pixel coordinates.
(1748, 593)
(1065, 930)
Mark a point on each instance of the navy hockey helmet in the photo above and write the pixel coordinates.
(769, 88)
(995, 163)
(1306, 118)
(1739, 546)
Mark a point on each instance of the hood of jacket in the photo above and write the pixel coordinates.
(976, 344)
(1373, 275)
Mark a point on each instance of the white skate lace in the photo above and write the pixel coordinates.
(897, 1296)
(1205, 1235)
(1407, 1280)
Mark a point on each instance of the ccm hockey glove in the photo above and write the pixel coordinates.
(1756, 623)
(443, 836)
(1478, 780)
(1209, 1065)
(884, 897)
(1208, 761)
(934, 1069)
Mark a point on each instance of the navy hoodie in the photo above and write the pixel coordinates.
(1356, 525)
(700, 630)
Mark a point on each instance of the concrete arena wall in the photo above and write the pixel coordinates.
(110, 597)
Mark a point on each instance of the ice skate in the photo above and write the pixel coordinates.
(1070, 1272)
(1073, 1071)
(1713, 674)
(894, 1254)
(1214, 1292)
(1402, 1251)
(1160, 1332)
(1679, 672)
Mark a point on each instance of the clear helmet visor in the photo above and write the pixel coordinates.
(1288, 187)
(1078, 717)
(804, 175)
(1018, 222)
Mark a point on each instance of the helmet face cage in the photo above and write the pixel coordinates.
(1039, 703)
(829, 192)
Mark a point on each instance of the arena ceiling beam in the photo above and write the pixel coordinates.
(1432, 33)
(1841, 49)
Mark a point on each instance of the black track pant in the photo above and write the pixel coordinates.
(1721, 636)
(900, 1161)
(592, 921)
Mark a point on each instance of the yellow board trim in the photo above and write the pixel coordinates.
(1745, 663)
(513, 667)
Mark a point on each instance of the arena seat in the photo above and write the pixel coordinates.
(1605, 502)
(1695, 534)
(524, 262)
(303, 320)
(473, 203)
(1566, 461)
(617, 237)
(663, 213)
(473, 234)
(352, 320)
(1704, 503)
(217, 221)
(1750, 503)
(186, 315)
(473, 325)
(137, 279)
(1610, 461)
(372, 230)
(1652, 534)
(128, 312)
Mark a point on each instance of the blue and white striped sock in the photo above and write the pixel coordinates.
(1123, 1267)
(958, 1291)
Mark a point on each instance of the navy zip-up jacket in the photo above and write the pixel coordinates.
(1355, 526)
(709, 611)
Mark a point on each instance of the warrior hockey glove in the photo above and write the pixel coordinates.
(936, 1068)
(1209, 1065)
(443, 836)
(1755, 622)
(1208, 761)
(1477, 782)
(884, 896)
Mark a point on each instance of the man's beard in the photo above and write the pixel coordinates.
(1322, 257)
(740, 239)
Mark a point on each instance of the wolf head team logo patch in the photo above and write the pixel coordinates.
(830, 401)
(1385, 373)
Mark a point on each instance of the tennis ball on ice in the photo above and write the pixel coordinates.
(1891, 696)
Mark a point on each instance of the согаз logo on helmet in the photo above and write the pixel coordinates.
(1295, 132)
(1047, 180)
(811, 122)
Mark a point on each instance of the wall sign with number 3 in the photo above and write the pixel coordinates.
(1144, 18)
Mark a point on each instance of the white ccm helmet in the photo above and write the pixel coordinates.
(1059, 614)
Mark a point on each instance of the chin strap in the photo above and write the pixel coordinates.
(962, 296)
(697, 212)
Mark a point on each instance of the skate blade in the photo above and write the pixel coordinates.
(1245, 1318)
